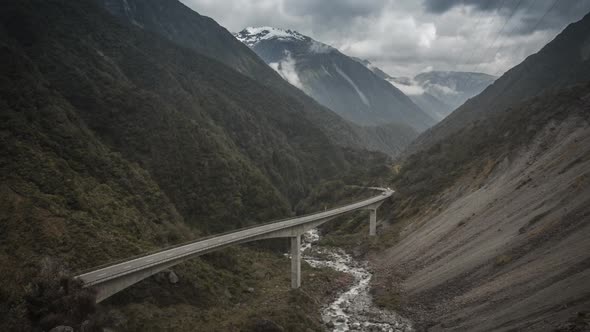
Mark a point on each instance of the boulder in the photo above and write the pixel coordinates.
(172, 277)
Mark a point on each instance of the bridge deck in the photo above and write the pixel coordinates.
(210, 243)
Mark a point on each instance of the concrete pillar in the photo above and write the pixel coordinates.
(296, 261)
(373, 222)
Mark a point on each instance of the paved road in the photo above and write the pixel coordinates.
(144, 262)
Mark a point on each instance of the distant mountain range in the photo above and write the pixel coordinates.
(437, 92)
(335, 80)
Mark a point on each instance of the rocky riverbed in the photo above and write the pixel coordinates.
(352, 310)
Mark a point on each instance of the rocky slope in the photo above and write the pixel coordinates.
(334, 79)
(493, 210)
(496, 238)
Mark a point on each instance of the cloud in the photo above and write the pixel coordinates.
(403, 37)
(287, 69)
(440, 89)
(409, 87)
(441, 6)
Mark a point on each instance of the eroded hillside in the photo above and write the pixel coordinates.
(493, 223)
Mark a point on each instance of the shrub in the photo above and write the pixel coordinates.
(54, 298)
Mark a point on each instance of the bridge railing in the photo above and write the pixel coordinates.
(155, 251)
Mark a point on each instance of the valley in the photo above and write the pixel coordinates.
(360, 169)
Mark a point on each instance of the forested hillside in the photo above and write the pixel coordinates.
(116, 141)
(176, 22)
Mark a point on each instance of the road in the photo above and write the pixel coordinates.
(204, 245)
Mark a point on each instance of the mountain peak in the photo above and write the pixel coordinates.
(253, 35)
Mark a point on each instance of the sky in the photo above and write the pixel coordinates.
(406, 37)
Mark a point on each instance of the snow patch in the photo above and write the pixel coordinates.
(358, 91)
(253, 35)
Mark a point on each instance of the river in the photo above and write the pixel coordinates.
(352, 310)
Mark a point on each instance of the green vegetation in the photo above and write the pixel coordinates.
(115, 142)
(502, 260)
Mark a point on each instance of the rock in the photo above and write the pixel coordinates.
(62, 328)
(172, 277)
(330, 325)
(250, 290)
(85, 326)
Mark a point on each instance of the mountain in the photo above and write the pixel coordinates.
(179, 24)
(117, 141)
(437, 93)
(562, 62)
(333, 79)
(432, 105)
(426, 101)
(452, 87)
(489, 231)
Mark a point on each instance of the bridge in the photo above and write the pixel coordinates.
(112, 279)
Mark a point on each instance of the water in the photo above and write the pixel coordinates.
(353, 310)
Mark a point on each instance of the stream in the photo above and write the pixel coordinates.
(352, 310)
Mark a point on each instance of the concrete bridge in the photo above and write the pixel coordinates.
(112, 279)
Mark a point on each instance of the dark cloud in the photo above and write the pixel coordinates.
(441, 6)
(525, 15)
(345, 9)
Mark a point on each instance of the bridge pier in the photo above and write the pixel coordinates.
(114, 278)
(296, 261)
(373, 222)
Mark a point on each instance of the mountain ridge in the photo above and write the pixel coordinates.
(333, 79)
(181, 25)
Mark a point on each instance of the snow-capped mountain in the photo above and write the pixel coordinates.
(433, 106)
(253, 35)
(334, 79)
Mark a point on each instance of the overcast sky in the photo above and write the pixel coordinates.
(405, 37)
